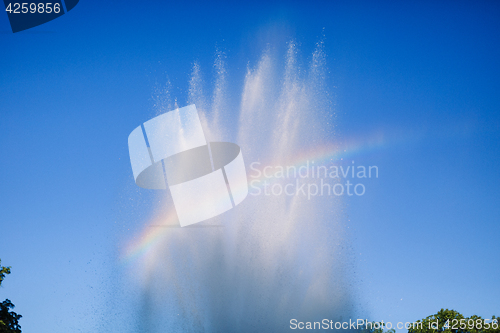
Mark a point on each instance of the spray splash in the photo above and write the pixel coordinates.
(271, 259)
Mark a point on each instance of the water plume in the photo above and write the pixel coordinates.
(272, 258)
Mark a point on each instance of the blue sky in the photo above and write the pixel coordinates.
(424, 74)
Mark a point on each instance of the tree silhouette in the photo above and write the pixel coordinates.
(9, 320)
(451, 321)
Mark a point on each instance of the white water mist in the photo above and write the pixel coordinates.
(272, 258)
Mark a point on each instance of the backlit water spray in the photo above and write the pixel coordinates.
(272, 258)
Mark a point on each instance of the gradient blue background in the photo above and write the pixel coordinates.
(424, 75)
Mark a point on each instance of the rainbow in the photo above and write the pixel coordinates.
(157, 229)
